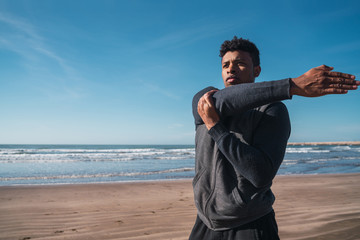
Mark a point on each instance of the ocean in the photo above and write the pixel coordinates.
(73, 164)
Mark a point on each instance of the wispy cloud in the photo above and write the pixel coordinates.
(20, 24)
(188, 35)
(18, 35)
(157, 89)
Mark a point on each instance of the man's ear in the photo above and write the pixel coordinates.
(257, 71)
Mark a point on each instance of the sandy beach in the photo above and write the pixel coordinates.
(307, 207)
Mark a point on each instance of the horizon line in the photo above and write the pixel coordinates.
(139, 144)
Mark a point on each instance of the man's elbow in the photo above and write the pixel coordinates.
(264, 178)
(262, 182)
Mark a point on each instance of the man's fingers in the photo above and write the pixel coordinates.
(208, 96)
(335, 91)
(343, 86)
(340, 75)
(213, 91)
(345, 81)
(210, 93)
(206, 100)
(209, 100)
(201, 104)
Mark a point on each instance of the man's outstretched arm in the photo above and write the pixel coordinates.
(316, 82)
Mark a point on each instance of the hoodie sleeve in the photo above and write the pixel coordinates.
(239, 98)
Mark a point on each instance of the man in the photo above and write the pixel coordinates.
(241, 136)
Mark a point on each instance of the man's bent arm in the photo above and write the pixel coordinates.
(260, 161)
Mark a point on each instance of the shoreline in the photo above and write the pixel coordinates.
(100, 183)
(317, 206)
(158, 180)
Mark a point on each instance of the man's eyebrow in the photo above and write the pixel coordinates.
(238, 59)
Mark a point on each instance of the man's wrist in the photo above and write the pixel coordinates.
(211, 124)
(293, 87)
(218, 131)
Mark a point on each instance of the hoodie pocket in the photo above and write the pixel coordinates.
(197, 177)
(201, 190)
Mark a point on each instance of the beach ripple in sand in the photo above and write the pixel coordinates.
(307, 207)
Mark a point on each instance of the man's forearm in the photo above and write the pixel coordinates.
(232, 100)
(236, 99)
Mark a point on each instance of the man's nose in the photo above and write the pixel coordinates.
(231, 68)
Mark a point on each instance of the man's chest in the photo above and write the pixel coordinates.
(244, 125)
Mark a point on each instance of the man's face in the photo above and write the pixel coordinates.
(237, 67)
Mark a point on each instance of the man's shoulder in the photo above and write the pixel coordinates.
(200, 93)
(195, 101)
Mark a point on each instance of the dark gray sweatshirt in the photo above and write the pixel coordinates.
(238, 158)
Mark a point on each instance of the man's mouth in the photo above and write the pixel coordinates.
(232, 79)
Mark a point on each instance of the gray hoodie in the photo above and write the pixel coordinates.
(238, 158)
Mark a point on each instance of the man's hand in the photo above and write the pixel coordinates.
(207, 111)
(320, 81)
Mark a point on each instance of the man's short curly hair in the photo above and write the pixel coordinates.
(241, 44)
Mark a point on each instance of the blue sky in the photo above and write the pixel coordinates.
(124, 72)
